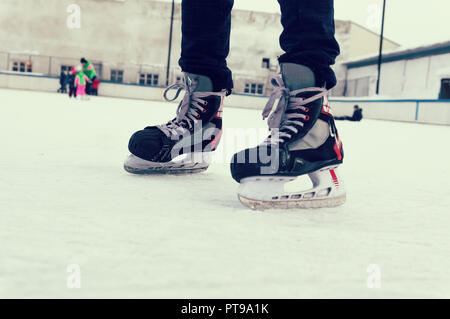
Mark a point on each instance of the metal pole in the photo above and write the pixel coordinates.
(170, 43)
(381, 48)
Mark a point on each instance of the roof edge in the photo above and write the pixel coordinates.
(405, 54)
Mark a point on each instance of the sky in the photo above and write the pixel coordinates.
(408, 22)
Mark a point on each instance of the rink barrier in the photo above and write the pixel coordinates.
(407, 110)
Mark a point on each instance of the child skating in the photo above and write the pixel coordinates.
(71, 82)
(81, 80)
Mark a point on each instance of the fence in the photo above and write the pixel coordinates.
(405, 110)
(143, 74)
(38, 72)
(128, 73)
(423, 111)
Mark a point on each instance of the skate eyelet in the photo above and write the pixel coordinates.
(306, 117)
(306, 109)
(204, 110)
(198, 117)
(206, 103)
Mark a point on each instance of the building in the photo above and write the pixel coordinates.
(128, 41)
(422, 72)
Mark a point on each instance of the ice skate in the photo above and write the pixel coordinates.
(183, 145)
(303, 141)
(183, 164)
(266, 192)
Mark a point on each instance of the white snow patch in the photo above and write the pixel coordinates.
(65, 199)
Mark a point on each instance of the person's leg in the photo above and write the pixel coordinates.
(308, 37)
(303, 139)
(88, 87)
(81, 90)
(206, 40)
(90, 91)
(343, 118)
(197, 128)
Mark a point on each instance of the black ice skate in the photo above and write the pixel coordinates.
(183, 145)
(303, 140)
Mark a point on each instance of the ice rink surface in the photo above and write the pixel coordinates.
(65, 199)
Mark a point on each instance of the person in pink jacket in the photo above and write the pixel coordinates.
(80, 82)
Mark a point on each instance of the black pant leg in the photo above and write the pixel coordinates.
(308, 36)
(205, 44)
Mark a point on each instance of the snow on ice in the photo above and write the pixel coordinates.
(65, 200)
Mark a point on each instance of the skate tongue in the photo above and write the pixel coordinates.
(297, 76)
(290, 113)
(279, 92)
(192, 103)
(294, 77)
(199, 83)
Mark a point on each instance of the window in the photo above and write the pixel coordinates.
(22, 66)
(117, 76)
(445, 89)
(266, 63)
(254, 88)
(260, 89)
(149, 79)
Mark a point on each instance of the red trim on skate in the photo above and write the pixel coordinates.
(338, 148)
(334, 178)
(216, 140)
(220, 111)
(326, 107)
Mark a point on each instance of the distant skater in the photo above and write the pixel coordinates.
(356, 117)
(62, 82)
(95, 86)
(89, 71)
(81, 80)
(71, 82)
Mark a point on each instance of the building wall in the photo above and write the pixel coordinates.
(133, 35)
(410, 78)
(111, 30)
(116, 33)
(364, 42)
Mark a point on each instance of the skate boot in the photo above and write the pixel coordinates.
(183, 145)
(303, 141)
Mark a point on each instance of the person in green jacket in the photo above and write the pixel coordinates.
(89, 70)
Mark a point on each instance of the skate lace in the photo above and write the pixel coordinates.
(190, 108)
(282, 124)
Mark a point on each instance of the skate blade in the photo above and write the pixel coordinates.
(184, 166)
(164, 171)
(268, 192)
(255, 204)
